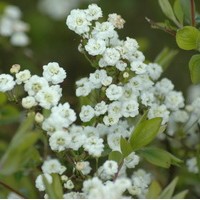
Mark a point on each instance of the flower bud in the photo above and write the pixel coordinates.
(15, 69)
(39, 118)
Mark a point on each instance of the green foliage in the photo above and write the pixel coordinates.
(159, 157)
(188, 38)
(169, 190)
(180, 195)
(116, 156)
(194, 66)
(165, 57)
(168, 11)
(125, 146)
(54, 190)
(19, 151)
(154, 190)
(178, 11)
(145, 132)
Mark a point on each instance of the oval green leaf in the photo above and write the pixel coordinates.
(145, 132)
(116, 156)
(188, 38)
(194, 66)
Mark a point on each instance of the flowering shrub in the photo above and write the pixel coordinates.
(107, 147)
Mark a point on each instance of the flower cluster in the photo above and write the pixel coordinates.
(12, 26)
(122, 88)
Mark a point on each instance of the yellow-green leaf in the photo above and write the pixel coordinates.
(188, 38)
(194, 66)
(154, 190)
(145, 132)
(125, 146)
(116, 156)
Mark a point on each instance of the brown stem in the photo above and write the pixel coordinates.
(119, 168)
(12, 189)
(192, 12)
(155, 25)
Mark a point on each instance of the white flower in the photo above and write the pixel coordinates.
(114, 141)
(19, 39)
(52, 72)
(87, 113)
(106, 81)
(39, 118)
(52, 166)
(192, 165)
(63, 115)
(138, 67)
(35, 84)
(115, 109)
(97, 77)
(39, 181)
(93, 12)
(131, 160)
(147, 98)
(95, 46)
(121, 65)
(69, 185)
(116, 20)
(12, 11)
(48, 97)
(101, 108)
(74, 195)
(164, 86)
(154, 70)
(59, 141)
(174, 100)
(159, 111)
(180, 116)
(110, 167)
(111, 56)
(114, 92)
(94, 146)
(7, 82)
(103, 30)
(77, 21)
(130, 108)
(22, 76)
(28, 102)
(110, 120)
(84, 167)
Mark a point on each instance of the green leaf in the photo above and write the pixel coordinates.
(181, 195)
(23, 140)
(116, 156)
(188, 38)
(194, 66)
(178, 11)
(53, 190)
(169, 190)
(3, 98)
(168, 11)
(13, 159)
(185, 4)
(154, 190)
(125, 146)
(165, 57)
(8, 114)
(145, 132)
(159, 157)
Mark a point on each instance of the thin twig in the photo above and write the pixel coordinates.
(119, 168)
(155, 25)
(192, 13)
(12, 189)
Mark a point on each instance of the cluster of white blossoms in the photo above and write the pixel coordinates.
(13, 27)
(122, 87)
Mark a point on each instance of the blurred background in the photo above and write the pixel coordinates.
(51, 41)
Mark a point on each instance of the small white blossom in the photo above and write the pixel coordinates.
(110, 120)
(52, 166)
(154, 71)
(130, 108)
(59, 141)
(69, 185)
(22, 76)
(101, 108)
(7, 82)
(131, 160)
(53, 73)
(19, 39)
(138, 67)
(116, 20)
(114, 92)
(93, 12)
(87, 113)
(39, 183)
(77, 21)
(29, 102)
(84, 167)
(111, 56)
(192, 165)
